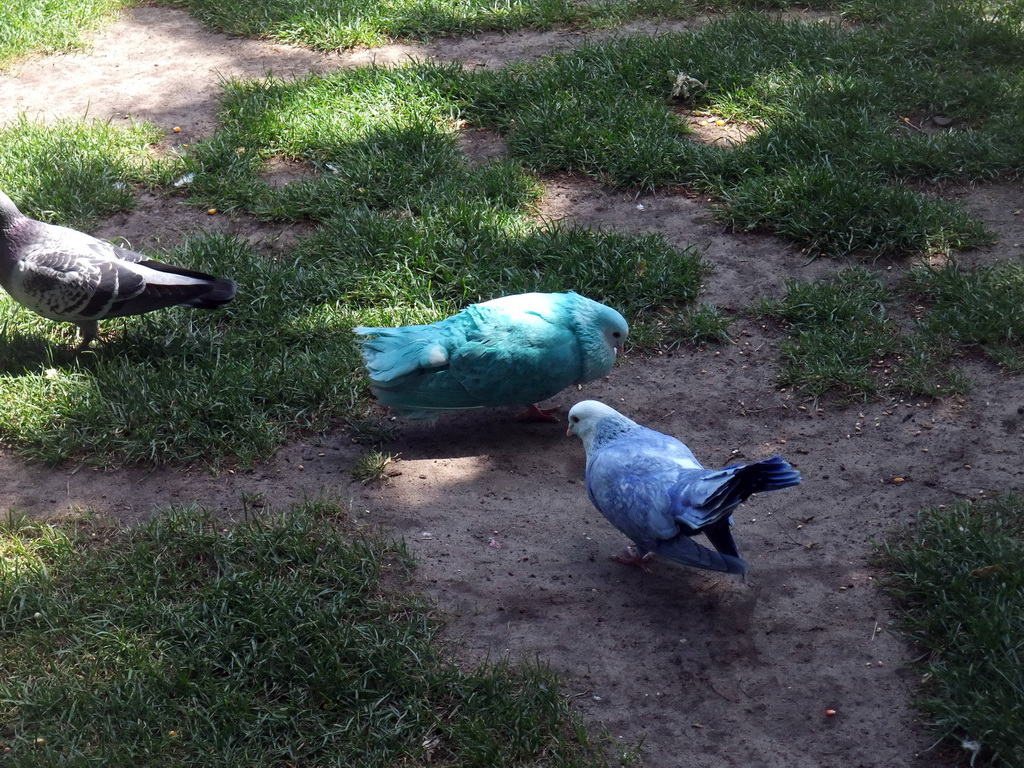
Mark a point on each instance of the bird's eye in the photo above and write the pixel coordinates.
(574, 419)
(617, 335)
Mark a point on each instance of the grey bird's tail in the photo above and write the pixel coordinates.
(220, 292)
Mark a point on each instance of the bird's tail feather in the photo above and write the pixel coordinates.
(390, 353)
(220, 292)
(718, 492)
(686, 551)
(768, 475)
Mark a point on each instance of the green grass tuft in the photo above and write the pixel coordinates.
(842, 340)
(839, 333)
(959, 578)
(702, 325)
(831, 211)
(372, 466)
(278, 640)
(75, 173)
(981, 308)
(35, 26)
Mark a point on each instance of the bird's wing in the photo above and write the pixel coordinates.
(628, 481)
(631, 480)
(504, 354)
(719, 533)
(686, 551)
(68, 275)
(391, 354)
(478, 335)
(68, 282)
(635, 498)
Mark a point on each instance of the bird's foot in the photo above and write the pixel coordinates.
(89, 331)
(534, 413)
(634, 558)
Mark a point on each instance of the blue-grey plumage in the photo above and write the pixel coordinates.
(72, 277)
(514, 350)
(652, 488)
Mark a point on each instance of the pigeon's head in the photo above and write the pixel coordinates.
(601, 332)
(9, 212)
(586, 415)
(615, 330)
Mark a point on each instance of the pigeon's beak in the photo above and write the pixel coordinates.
(620, 349)
(568, 432)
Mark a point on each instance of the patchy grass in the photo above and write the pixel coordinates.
(833, 166)
(35, 26)
(981, 308)
(372, 466)
(841, 340)
(959, 578)
(705, 324)
(840, 336)
(839, 159)
(98, 164)
(839, 163)
(331, 25)
(30, 26)
(277, 640)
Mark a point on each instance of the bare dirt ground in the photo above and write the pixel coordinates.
(696, 669)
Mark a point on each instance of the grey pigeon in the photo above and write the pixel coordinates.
(652, 488)
(72, 277)
(514, 350)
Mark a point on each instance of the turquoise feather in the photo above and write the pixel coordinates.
(516, 350)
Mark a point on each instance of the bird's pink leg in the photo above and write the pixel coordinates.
(632, 557)
(533, 413)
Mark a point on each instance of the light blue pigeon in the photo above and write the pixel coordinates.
(516, 350)
(652, 488)
(72, 277)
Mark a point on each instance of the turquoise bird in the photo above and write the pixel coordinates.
(515, 350)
